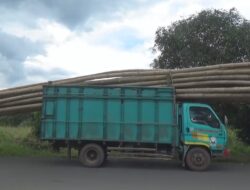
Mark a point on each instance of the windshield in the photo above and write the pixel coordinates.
(204, 116)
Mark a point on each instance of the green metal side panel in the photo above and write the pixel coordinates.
(92, 119)
(124, 114)
(113, 120)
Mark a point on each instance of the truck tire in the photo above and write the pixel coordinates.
(92, 155)
(197, 159)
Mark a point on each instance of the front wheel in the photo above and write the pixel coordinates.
(198, 159)
(92, 155)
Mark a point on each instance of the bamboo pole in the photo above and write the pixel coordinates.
(148, 83)
(125, 80)
(16, 98)
(165, 71)
(214, 77)
(12, 100)
(38, 87)
(233, 80)
(36, 107)
(211, 73)
(20, 91)
(22, 102)
(214, 67)
(158, 82)
(62, 81)
(18, 109)
(230, 90)
(213, 96)
(223, 83)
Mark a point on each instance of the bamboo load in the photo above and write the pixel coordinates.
(216, 83)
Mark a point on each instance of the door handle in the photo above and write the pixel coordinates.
(187, 129)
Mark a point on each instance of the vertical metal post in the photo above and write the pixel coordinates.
(81, 111)
(105, 112)
(139, 115)
(79, 152)
(69, 151)
(122, 111)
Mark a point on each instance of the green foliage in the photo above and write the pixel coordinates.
(32, 120)
(19, 141)
(16, 120)
(238, 116)
(207, 38)
(239, 150)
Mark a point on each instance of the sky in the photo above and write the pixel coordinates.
(44, 40)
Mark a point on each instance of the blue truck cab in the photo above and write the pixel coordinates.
(200, 128)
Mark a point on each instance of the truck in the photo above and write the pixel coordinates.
(142, 121)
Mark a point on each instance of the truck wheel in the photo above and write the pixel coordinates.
(92, 155)
(197, 159)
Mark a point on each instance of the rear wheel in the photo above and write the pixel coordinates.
(92, 155)
(198, 159)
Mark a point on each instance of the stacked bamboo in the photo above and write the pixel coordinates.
(225, 82)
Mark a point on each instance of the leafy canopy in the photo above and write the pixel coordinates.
(207, 38)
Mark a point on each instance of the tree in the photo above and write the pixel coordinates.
(207, 38)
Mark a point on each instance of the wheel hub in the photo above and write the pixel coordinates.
(92, 155)
(198, 159)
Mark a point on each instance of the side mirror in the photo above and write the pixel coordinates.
(225, 120)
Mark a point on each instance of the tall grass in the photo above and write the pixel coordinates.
(239, 150)
(20, 141)
(23, 141)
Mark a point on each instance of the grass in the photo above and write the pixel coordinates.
(20, 141)
(240, 152)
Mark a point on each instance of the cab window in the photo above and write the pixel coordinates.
(204, 116)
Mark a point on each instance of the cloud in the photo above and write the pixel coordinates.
(36, 74)
(14, 51)
(72, 13)
(16, 48)
(43, 40)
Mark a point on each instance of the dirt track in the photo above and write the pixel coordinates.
(59, 174)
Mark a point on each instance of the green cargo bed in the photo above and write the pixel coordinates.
(112, 114)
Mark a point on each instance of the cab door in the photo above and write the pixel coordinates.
(203, 127)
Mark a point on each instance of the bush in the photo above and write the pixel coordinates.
(16, 120)
(20, 141)
(239, 150)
